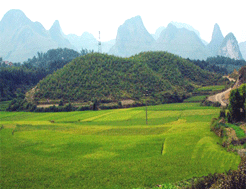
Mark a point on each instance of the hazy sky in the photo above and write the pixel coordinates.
(78, 16)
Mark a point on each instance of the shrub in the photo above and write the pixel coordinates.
(61, 103)
(222, 113)
(84, 108)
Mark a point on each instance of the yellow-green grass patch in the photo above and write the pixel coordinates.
(110, 149)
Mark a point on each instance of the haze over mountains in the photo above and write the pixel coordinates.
(217, 39)
(182, 42)
(20, 39)
(132, 38)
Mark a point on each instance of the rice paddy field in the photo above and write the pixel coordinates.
(111, 148)
(212, 88)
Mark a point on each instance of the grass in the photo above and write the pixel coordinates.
(4, 105)
(195, 98)
(212, 88)
(239, 132)
(111, 148)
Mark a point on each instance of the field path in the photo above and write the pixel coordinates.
(219, 97)
(230, 79)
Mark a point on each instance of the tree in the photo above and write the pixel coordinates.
(61, 103)
(95, 104)
(236, 106)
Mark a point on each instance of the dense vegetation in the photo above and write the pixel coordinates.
(24, 76)
(110, 148)
(166, 77)
(226, 62)
(236, 106)
(219, 64)
(210, 67)
(21, 77)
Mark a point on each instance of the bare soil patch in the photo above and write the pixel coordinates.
(127, 102)
(231, 134)
(46, 105)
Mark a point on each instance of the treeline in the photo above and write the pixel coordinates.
(18, 77)
(219, 64)
(26, 75)
(166, 77)
(21, 104)
(210, 67)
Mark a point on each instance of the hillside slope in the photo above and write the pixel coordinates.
(106, 77)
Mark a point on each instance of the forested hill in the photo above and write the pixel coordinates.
(27, 75)
(106, 77)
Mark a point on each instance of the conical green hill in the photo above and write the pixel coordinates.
(102, 76)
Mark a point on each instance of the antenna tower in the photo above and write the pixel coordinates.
(99, 44)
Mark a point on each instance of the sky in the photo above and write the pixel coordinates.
(78, 16)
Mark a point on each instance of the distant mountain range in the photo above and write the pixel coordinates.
(20, 39)
(217, 39)
(177, 38)
(132, 38)
(182, 42)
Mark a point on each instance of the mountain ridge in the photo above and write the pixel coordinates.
(132, 38)
(230, 47)
(182, 42)
(20, 39)
(217, 39)
(25, 38)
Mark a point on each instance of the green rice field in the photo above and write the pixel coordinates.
(212, 88)
(110, 149)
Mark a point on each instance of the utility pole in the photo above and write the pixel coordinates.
(99, 44)
(146, 94)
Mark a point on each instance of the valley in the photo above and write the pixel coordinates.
(111, 148)
(143, 111)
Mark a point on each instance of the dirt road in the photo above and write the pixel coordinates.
(230, 79)
(219, 97)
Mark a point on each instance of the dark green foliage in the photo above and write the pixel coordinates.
(61, 103)
(205, 102)
(222, 113)
(120, 104)
(210, 66)
(168, 78)
(227, 63)
(84, 108)
(236, 106)
(25, 76)
(21, 105)
(12, 78)
(242, 74)
(4, 105)
(52, 60)
(217, 127)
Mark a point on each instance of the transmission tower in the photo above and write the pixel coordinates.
(99, 44)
